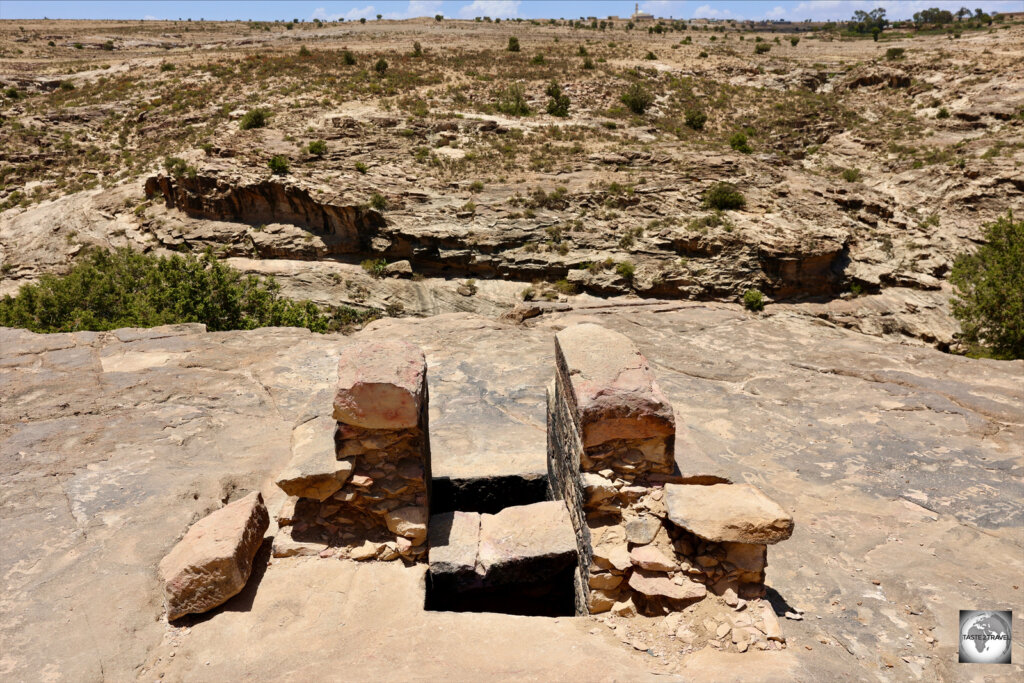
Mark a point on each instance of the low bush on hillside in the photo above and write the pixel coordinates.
(753, 300)
(696, 119)
(254, 118)
(558, 105)
(637, 98)
(512, 101)
(110, 289)
(989, 290)
(724, 196)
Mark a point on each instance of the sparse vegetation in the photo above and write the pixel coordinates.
(317, 148)
(637, 98)
(254, 118)
(512, 101)
(894, 53)
(105, 290)
(279, 164)
(738, 141)
(851, 175)
(989, 291)
(724, 196)
(378, 201)
(753, 300)
(375, 267)
(513, 44)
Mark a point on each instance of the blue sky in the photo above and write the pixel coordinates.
(265, 10)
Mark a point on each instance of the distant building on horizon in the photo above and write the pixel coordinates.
(640, 17)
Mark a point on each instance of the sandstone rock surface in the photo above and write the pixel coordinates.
(213, 561)
(454, 540)
(738, 513)
(381, 385)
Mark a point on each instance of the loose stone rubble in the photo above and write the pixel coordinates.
(650, 538)
(371, 500)
(214, 559)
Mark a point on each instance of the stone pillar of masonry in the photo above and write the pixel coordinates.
(610, 431)
(361, 477)
(649, 538)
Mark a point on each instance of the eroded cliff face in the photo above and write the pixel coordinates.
(261, 202)
(290, 222)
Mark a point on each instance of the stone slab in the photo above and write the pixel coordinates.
(314, 470)
(453, 539)
(522, 543)
(738, 513)
(213, 561)
(655, 584)
(612, 386)
(381, 385)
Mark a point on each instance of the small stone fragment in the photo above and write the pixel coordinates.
(410, 522)
(367, 551)
(652, 559)
(624, 608)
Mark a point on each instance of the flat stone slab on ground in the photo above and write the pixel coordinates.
(523, 543)
(454, 539)
(727, 512)
(214, 559)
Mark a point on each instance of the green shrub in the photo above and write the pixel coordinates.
(851, 175)
(894, 53)
(381, 66)
(348, 58)
(943, 113)
(106, 290)
(738, 141)
(626, 270)
(582, 51)
(703, 54)
(417, 49)
(476, 186)
(167, 66)
(724, 196)
(637, 98)
(753, 300)
(254, 118)
(588, 63)
(375, 267)
(278, 164)
(794, 41)
(761, 48)
(361, 167)
(304, 51)
(378, 201)
(512, 101)
(696, 119)
(12, 93)
(989, 290)
(317, 148)
(513, 44)
(537, 59)
(558, 105)
(67, 85)
(650, 56)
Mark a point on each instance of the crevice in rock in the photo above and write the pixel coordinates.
(486, 494)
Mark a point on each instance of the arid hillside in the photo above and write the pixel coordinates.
(855, 170)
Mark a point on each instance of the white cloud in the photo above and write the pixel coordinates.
(776, 12)
(355, 13)
(709, 12)
(150, 17)
(490, 8)
(664, 8)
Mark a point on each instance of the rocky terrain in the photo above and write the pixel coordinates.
(863, 176)
(900, 465)
(476, 232)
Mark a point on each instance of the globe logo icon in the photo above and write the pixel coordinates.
(985, 637)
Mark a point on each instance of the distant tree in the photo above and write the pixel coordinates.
(513, 44)
(438, 17)
(558, 105)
